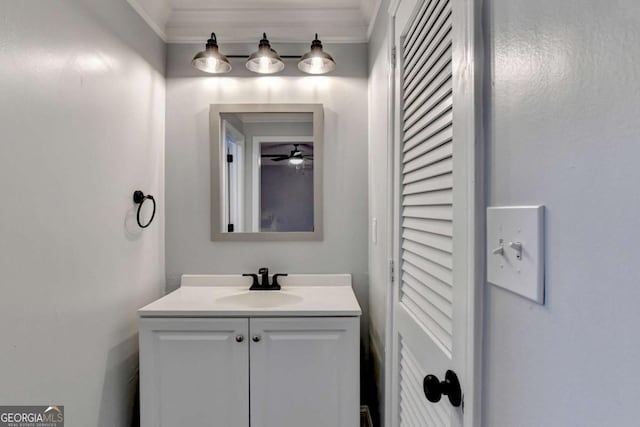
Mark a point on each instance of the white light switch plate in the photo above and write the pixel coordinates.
(506, 228)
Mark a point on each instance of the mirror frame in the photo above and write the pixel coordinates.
(216, 153)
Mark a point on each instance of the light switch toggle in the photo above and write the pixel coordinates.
(519, 266)
(516, 246)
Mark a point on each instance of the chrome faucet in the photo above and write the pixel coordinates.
(264, 277)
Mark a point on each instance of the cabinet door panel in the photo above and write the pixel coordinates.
(305, 372)
(193, 372)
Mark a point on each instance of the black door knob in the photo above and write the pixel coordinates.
(434, 388)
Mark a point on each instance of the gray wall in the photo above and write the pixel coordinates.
(562, 111)
(82, 120)
(344, 96)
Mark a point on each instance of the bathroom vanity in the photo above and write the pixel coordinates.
(213, 353)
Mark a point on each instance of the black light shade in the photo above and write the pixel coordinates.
(265, 60)
(211, 60)
(316, 61)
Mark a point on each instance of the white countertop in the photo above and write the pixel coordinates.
(229, 296)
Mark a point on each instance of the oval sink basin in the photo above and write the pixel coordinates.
(260, 299)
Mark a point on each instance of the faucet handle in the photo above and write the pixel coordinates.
(275, 280)
(256, 283)
(263, 270)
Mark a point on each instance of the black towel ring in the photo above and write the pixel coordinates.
(139, 198)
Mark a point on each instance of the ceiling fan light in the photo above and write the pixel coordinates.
(296, 160)
(316, 61)
(211, 60)
(265, 60)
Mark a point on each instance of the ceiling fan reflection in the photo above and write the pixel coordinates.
(295, 157)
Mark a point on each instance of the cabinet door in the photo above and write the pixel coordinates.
(193, 372)
(305, 372)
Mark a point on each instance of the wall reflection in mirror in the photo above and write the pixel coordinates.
(267, 173)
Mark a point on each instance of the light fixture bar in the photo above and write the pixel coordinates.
(281, 56)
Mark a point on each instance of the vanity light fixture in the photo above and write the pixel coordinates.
(211, 60)
(265, 60)
(316, 61)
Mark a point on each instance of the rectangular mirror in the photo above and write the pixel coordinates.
(266, 171)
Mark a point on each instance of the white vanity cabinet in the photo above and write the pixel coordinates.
(250, 372)
(305, 372)
(194, 372)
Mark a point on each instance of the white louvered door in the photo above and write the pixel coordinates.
(431, 246)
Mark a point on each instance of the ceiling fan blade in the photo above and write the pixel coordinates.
(274, 155)
(281, 158)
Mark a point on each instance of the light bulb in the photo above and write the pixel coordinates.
(317, 65)
(263, 64)
(296, 160)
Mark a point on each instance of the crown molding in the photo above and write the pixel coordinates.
(245, 24)
(155, 17)
(373, 18)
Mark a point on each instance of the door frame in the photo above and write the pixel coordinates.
(238, 139)
(467, 65)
